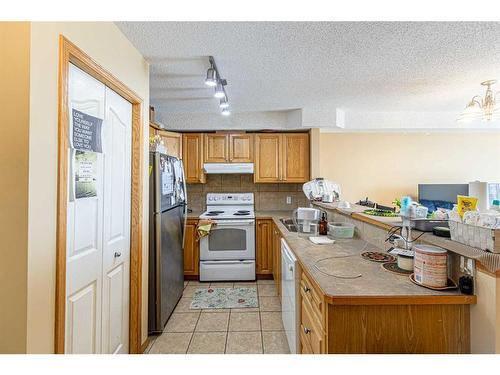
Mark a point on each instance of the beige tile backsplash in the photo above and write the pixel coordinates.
(268, 197)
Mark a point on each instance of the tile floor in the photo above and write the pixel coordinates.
(231, 331)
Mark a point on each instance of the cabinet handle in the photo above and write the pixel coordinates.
(307, 289)
(117, 254)
(307, 330)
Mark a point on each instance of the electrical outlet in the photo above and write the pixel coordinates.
(288, 200)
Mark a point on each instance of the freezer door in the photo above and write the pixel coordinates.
(162, 182)
(171, 278)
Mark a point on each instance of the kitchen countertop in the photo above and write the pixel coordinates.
(333, 268)
(374, 286)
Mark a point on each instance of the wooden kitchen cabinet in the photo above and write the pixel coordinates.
(192, 155)
(216, 148)
(312, 317)
(173, 142)
(277, 258)
(267, 166)
(264, 247)
(295, 162)
(228, 148)
(281, 157)
(241, 148)
(191, 250)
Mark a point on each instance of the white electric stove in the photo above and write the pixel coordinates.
(228, 252)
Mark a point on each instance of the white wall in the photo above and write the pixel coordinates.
(105, 43)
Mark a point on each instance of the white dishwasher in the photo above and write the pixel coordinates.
(289, 295)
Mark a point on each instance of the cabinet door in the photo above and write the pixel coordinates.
(192, 150)
(264, 258)
(173, 143)
(191, 250)
(267, 158)
(295, 157)
(241, 148)
(216, 148)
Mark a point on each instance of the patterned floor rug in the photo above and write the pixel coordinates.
(224, 298)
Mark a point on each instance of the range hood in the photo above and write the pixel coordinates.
(224, 168)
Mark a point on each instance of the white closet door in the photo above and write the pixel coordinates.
(116, 238)
(84, 233)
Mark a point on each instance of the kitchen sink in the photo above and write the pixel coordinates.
(289, 225)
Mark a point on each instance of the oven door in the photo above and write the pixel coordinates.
(229, 239)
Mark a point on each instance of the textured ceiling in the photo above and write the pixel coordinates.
(270, 66)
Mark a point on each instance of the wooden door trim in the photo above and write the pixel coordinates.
(70, 53)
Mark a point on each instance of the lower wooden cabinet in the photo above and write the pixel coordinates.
(191, 249)
(264, 247)
(312, 316)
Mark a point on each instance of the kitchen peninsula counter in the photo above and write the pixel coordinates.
(351, 305)
(345, 277)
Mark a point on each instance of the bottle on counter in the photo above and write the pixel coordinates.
(323, 225)
(495, 205)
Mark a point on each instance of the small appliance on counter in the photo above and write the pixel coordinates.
(306, 221)
(321, 190)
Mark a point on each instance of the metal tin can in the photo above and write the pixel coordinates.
(430, 266)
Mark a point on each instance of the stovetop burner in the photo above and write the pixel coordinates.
(242, 213)
(214, 213)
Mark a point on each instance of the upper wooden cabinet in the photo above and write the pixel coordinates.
(216, 148)
(267, 166)
(241, 148)
(192, 154)
(173, 143)
(295, 162)
(281, 157)
(228, 148)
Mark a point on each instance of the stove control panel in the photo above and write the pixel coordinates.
(230, 198)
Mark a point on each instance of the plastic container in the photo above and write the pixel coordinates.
(341, 230)
(430, 266)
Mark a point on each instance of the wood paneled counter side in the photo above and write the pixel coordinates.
(350, 305)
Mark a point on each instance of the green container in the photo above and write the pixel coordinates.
(341, 230)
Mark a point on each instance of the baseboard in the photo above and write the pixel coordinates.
(144, 345)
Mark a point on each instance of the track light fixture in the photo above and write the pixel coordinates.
(211, 79)
(223, 103)
(214, 79)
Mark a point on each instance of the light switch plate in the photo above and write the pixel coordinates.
(288, 200)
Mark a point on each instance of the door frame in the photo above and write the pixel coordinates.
(70, 53)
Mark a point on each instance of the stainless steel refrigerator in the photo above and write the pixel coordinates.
(167, 221)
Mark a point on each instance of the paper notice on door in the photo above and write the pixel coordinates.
(85, 132)
(167, 182)
(85, 167)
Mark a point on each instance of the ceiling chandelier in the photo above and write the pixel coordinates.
(214, 80)
(486, 109)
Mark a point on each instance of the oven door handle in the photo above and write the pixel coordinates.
(233, 223)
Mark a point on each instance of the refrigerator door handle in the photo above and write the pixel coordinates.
(185, 204)
(157, 219)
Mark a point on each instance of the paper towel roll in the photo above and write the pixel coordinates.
(479, 190)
